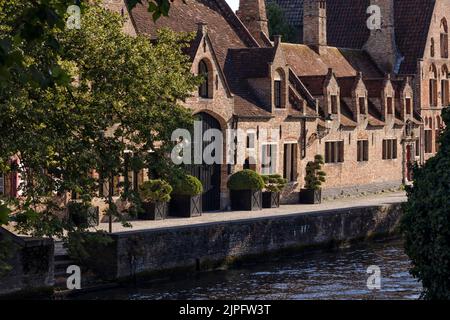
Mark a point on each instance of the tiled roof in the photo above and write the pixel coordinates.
(374, 87)
(252, 62)
(224, 28)
(345, 63)
(314, 84)
(412, 23)
(346, 85)
(347, 115)
(346, 25)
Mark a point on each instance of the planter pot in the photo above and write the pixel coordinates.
(308, 196)
(186, 206)
(84, 219)
(153, 211)
(271, 200)
(246, 200)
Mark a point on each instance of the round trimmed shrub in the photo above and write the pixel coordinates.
(187, 186)
(246, 180)
(274, 183)
(155, 191)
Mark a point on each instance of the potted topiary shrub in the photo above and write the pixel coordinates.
(154, 195)
(82, 214)
(245, 190)
(273, 186)
(186, 197)
(312, 193)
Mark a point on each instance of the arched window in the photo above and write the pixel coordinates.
(205, 89)
(444, 39)
(278, 87)
(445, 93)
(432, 48)
(433, 86)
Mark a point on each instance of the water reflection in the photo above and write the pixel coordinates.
(332, 275)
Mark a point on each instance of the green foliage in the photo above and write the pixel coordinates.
(35, 24)
(63, 131)
(4, 213)
(314, 174)
(155, 191)
(278, 24)
(426, 221)
(246, 180)
(187, 185)
(274, 182)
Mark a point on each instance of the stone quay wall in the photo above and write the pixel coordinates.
(214, 245)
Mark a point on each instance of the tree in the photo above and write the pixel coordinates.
(426, 221)
(28, 23)
(278, 24)
(123, 94)
(314, 174)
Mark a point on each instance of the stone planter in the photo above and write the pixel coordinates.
(246, 200)
(270, 199)
(308, 196)
(186, 206)
(154, 211)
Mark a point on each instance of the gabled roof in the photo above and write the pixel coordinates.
(374, 87)
(224, 27)
(344, 62)
(252, 62)
(346, 85)
(346, 25)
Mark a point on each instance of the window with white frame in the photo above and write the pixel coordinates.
(268, 159)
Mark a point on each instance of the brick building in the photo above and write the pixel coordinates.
(412, 42)
(317, 98)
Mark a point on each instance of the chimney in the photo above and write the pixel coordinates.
(253, 14)
(276, 40)
(315, 24)
(381, 45)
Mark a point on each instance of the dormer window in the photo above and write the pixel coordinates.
(334, 104)
(205, 89)
(362, 105)
(390, 106)
(408, 106)
(278, 90)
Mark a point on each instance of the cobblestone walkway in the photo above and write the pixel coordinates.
(229, 216)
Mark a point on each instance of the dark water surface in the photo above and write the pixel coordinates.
(328, 275)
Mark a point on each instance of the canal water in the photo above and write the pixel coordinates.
(339, 274)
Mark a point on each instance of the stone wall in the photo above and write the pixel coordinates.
(31, 262)
(201, 247)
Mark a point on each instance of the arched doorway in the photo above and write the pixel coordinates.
(209, 175)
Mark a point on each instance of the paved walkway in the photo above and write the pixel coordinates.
(284, 210)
